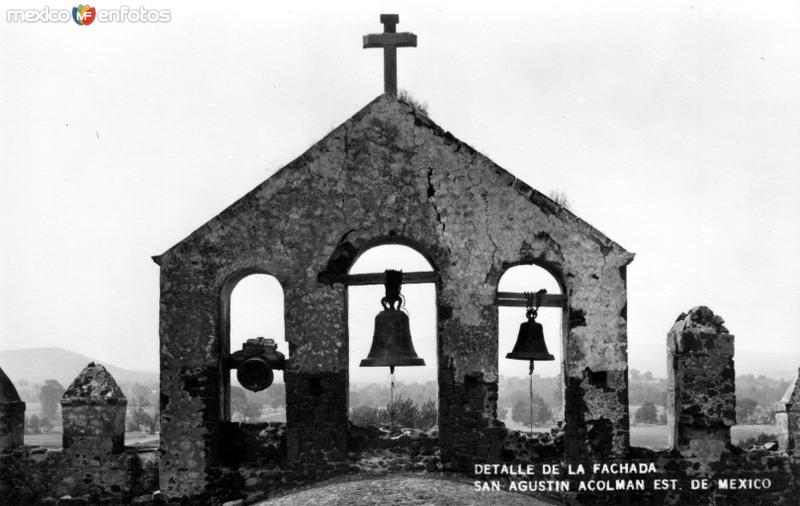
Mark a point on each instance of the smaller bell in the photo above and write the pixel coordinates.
(530, 343)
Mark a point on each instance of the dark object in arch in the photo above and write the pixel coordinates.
(255, 362)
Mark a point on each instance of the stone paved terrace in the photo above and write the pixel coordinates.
(401, 490)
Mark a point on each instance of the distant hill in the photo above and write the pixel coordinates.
(38, 364)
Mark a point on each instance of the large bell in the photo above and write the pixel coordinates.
(530, 343)
(391, 342)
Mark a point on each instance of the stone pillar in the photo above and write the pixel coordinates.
(93, 412)
(787, 418)
(12, 414)
(701, 395)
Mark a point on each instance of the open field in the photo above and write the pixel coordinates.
(53, 440)
(655, 436)
(648, 436)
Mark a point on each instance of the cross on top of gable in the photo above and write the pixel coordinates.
(389, 40)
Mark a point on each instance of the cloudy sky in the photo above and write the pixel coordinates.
(672, 126)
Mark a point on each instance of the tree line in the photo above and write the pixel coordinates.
(756, 398)
(403, 412)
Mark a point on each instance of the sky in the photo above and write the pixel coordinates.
(672, 126)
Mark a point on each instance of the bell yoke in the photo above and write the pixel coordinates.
(391, 341)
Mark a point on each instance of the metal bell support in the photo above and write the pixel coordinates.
(530, 343)
(391, 341)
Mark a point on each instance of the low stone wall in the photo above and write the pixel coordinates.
(316, 412)
(253, 444)
(91, 423)
(467, 434)
(258, 457)
(521, 447)
(35, 475)
(257, 460)
(378, 449)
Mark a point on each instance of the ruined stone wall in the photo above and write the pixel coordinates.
(34, 475)
(316, 422)
(93, 412)
(12, 424)
(373, 450)
(310, 435)
(94, 467)
(787, 418)
(12, 414)
(94, 426)
(701, 393)
(388, 174)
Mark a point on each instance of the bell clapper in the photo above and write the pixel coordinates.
(391, 397)
(530, 379)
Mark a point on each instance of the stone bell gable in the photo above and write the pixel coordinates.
(387, 175)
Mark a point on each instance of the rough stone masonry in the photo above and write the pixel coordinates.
(93, 466)
(390, 175)
(387, 175)
(701, 397)
(12, 414)
(93, 411)
(787, 418)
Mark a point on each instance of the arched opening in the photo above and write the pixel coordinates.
(255, 309)
(514, 389)
(416, 388)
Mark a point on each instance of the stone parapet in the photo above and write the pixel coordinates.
(93, 412)
(701, 393)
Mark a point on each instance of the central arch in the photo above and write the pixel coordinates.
(368, 390)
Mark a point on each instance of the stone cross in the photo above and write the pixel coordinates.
(390, 41)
